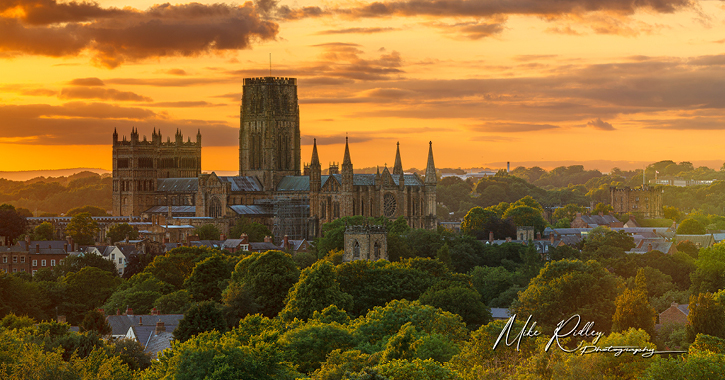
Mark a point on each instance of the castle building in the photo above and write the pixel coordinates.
(365, 243)
(155, 177)
(645, 201)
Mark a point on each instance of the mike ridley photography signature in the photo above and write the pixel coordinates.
(570, 328)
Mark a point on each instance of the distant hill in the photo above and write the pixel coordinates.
(30, 174)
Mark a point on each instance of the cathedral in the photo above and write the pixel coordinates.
(154, 178)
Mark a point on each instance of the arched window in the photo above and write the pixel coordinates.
(356, 251)
(215, 208)
(376, 251)
(323, 211)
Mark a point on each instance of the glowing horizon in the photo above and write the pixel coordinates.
(605, 83)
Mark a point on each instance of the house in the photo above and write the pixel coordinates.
(111, 253)
(700, 241)
(675, 314)
(237, 245)
(30, 256)
(265, 246)
(143, 325)
(646, 245)
(294, 246)
(592, 221)
(500, 314)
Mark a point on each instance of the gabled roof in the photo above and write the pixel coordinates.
(121, 323)
(705, 241)
(243, 183)
(251, 210)
(263, 246)
(657, 245)
(158, 343)
(294, 183)
(207, 243)
(599, 219)
(178, 185)
(174, 210)
(232, 243)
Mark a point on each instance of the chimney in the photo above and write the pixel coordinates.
(286, 242)
(490, 236)
(75, 247)
(37, 248)
(140, 320)
(159, 327)
(223, 237)
(118, 311)
(154, 311)
(129, 311)
(267, 239)
(245, 239)
(166, 240)
(601, 213)
(551, 238)
(65, 247)
(508, 239)
(27, 241)
(674, 304)
(631, 217)
(649, 247)
(538, 236)
(578, 215)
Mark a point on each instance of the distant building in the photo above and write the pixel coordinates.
(592, 221)
(365, 243)
(645, 201)
(675, 314)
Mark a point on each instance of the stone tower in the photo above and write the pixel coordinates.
(269, 130)
(431, 180)
(138, 163)
(365, 243)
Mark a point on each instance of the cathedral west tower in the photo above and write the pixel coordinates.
(269, 130)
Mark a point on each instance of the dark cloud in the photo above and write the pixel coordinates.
(601, 125)
(101, 93)
(510, 127)
(472, 30)
(78, 123)
(477, 8)
(358, 31)
(176, 72)
(355, 137)
(687, 124)
(189, 104)
(115, 36)
(167, 82)
(287, 13)
(39, 92)
(86, 82)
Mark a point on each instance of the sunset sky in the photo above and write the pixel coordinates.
(553, 82)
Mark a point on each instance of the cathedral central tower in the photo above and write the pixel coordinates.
(269, 130)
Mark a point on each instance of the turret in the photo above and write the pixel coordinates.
(198, 137)
(347, 169)
(179, 137)
(315, 170)
(398, 168)
(134, 135)
(430, 170)
(115, 136)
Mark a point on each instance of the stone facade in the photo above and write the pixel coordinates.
(269, 130)
(365, 243)
(645, 201)
(137, 164)
(164, 178)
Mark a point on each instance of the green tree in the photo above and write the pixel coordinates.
(176, 265)
(528, 201)
(201, 317)
(444, 255)
(209, 278)
(672, 213)
(634, 311)
(238, 303)
(12, 224)
(95, 321)
(705, 316)
(82, 228)
(132, 354)
(119, 232)
(88, 289)
(604, 208)
(73, 264)
(474, 221)
(92, 210)
(458, 299)
(255, 231)
(564, 288)
(309, 345)
(526, 216)
(688, 247)
(177, 302)
(709, 274)
(315, 291)
(208, 232)
(567, 212)
(690, 227)
(269, 276)
(44, 231)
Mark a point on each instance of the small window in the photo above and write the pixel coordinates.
(22, 259)
(15, 270)
(34, 271)
(113, 256)
(120, 260)
(35, 263)
(52, 263)
(22, 269)
(5, 259)
(15, 259)
(42, 263)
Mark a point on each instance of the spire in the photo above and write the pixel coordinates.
(346, 160)
(315, 160)
(430, 170)
(398, 167)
